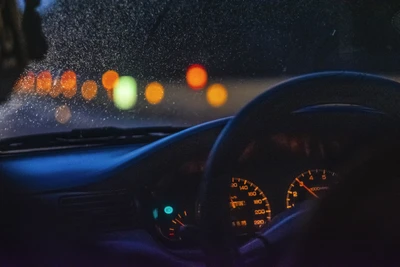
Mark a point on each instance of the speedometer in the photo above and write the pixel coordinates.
(250, 209)
(249, 212)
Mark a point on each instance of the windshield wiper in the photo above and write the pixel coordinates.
(87, 137)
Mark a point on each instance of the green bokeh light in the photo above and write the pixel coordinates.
(125, 93)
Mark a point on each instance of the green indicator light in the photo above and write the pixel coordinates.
(168, 210)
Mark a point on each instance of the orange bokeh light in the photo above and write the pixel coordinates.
(89, 90)
(154, 93)
(56, 88)
(43, 83)
(110, 94)
(196, 77)
(25, 84)
(69, 93)
(217, 95)
(109, 79)
(68, 80)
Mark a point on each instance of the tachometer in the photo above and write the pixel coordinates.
(250, 209)
(312, 184)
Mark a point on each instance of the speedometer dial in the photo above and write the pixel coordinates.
(250, 208)
(312, 184)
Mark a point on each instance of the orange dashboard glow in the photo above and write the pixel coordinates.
(43, 83)
(196, 77)
(154, 93)
(109, 79)
(89, 90)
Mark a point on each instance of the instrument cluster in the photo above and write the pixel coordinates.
(270, 177)
(252, 205)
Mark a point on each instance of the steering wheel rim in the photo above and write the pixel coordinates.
(310, 90)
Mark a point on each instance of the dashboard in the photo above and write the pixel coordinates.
(154, 187)
(275, 173)
(252, 204)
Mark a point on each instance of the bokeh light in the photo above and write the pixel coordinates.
(68, 83)
(196, 77)
(89, 90)
(68, 80)
(154, 93)
(110, 94)
(109, 79)
(125, 93)
(25, 84)
(69, 93)
(63, 114)
(56, 88)
(43, 83)
(217, 95)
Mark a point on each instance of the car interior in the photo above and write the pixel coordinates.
(303, 174)
(224, 192)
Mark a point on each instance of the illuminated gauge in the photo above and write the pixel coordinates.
(174, 223)
(180, 220)
(312, 184)
(250, 208)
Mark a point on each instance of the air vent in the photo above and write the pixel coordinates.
(102, 211)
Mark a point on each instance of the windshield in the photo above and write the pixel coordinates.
(178, 63)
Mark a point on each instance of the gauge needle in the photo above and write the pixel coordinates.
(179, 222)
(232, 203)
(306, 188)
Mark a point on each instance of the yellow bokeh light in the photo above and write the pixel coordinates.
(109, 79)
(63, 114)
(217, 95)
(154, 93)
(43, 83)
(89, 90)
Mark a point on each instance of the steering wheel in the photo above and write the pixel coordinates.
(269, 109)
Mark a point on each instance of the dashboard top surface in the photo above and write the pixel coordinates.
(53, 170)
(37, 172)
